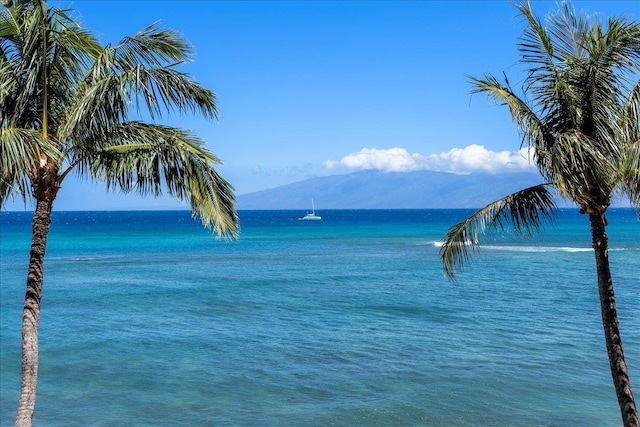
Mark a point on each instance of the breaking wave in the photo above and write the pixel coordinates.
(514, 248)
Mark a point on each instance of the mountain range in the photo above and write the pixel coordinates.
(391, 190)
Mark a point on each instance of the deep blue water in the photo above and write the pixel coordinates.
(149, 320)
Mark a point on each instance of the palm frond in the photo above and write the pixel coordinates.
(549, 53)
(105, 97)
(629, 119)
(9, 84)
(147, 63)
(534, 131)
(630, 173)
(212, 198)
(618, 48)
(608, 77)
(21, 151)
(151, 159)
(538, 53)
(583, 171)
(73, 51)
(21, 44)
(154, 46)
(95, 111)
(523, 210)
(629, 122)
(166, 88)
(535, 44)
(46, 50)
(568, 30)
(18, 150)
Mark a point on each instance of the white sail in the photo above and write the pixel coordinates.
(312, 216)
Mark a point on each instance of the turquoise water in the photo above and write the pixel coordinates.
(150, 321)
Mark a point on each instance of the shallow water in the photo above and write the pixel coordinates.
(149, 320)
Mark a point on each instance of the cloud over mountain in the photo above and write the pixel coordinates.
(473, 158)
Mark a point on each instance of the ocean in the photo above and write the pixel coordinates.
(149, 320)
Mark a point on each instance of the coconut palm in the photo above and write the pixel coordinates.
(579, 117)
(66, 106)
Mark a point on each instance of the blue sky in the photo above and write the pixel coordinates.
(315, 88)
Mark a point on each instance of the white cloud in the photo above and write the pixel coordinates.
(391, 160)
(472, 158)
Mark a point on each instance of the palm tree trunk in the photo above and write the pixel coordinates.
(610, 322)
(31, 313)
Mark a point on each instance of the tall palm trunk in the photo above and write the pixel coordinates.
(31, 313)
(610, 322)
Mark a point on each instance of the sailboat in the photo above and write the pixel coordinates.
(312, 216)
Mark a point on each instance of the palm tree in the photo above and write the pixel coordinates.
(579, 118)
(65, 106)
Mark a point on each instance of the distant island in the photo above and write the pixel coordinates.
(391, 190)
(395, 190)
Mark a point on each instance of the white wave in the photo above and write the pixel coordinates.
(440, 243)
(89, 258)
(546, 249)
(537, 248)
(514, 248)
